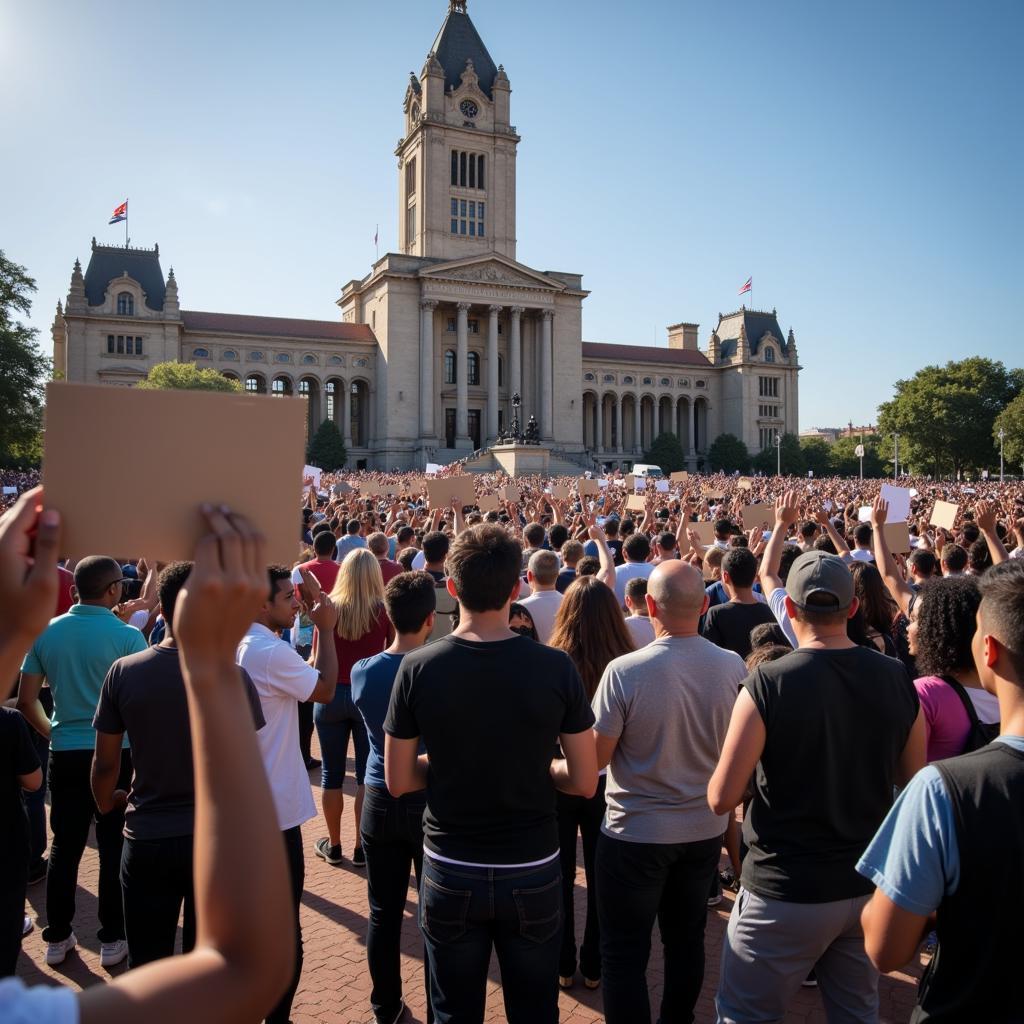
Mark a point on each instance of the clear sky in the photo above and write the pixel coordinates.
(863, 161)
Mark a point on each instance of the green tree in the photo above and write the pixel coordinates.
(1011, 420)
(327, 449)
(187, 377)
(945, 414)
(817, 455)
(23, 369)
(728, 454)
(792, 458)
(844, 460)
(666, 452)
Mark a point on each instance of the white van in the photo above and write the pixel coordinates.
(644, 469)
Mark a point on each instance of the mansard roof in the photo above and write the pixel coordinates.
(643, 354)
(459, 41)
(275, 326)
(108, 262)
(756, 322)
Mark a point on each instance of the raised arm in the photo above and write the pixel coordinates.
(900, 589)
(985, 517)
(825, 521)
(604, 553)
(786, 512)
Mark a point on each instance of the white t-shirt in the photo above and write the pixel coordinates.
(543, 607)
(630, 571)
(138, 619)
(641, 629)
(862, 555)
(419, 560)
(38, 1005)
(282, 679)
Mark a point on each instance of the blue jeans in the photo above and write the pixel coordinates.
(335, 723)
(464, 912)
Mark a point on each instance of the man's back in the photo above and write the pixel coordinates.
(74, 653)
(669, 705)
(836, 723)
(630, 571)
(728, 625)
(490, 715)
(543, 607)
(350, 542)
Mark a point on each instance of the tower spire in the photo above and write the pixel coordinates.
(457, 6)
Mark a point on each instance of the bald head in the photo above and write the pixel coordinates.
(677, 591)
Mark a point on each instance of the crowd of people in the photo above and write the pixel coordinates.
(699, 683)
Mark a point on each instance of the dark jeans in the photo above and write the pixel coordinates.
(35, 803)
(335, 723)
(391, 832)
(72, 811)
(156, 879)
(464, 912)
(638, 883)
(578, 814)
(297, 872)
(305, 730)
(14, 872)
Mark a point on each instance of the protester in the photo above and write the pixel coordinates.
(73, 655)
(662, 714)
(545, 599)
(487, 696)
(638, 622)
(728, 625)
(590, 629)
(635, 550)
(351, 541)
(391, 829)
(379, 547)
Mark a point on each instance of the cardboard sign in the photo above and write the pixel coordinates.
(756, 515)
(713, 494)
(661, 486)
(312, 474)
(897, 537)
(341, 488)
(560, 491)
(93, 432)
(678, 478)
(488, 503)
(899, 503)
(630, 482)
(745, 483)
(944, 515)
(705, 531)
(586, 486)
(510, 493)
(636, 503)
(370, 489)
(441, 491)
(602, 484)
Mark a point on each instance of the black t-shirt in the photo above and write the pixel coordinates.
(144, 696)
(729, 625)
(566, 578)
(490, 715)
(837, 722)
(616, 549)
(17, 757)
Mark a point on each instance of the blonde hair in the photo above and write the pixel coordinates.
(358, 594)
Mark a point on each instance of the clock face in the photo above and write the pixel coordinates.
(469, 108)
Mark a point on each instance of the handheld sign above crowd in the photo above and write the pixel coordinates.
(705, 532)
(488, 503)
(899, 503)
(313, 475)
(755, 515)
(944, 515)
(510, 493)
(897, 537)
(441, 491)
(678, 478)
(559, 491)
(636, 503)
(589, 487)
(199, 436)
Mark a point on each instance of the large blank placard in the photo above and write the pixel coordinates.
(128, 469)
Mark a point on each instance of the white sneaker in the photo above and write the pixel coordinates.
(27, 926)
(56, 952)
(113, 953)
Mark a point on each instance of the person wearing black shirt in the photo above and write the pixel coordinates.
(728, 625)
(829, 729)
(490, 706)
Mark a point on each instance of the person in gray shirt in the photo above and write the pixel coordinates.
(662, 714)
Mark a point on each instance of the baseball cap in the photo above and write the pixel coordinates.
(822, 574)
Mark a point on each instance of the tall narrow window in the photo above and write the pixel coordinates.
(110, 344)
(480, 172)
(125, 304)
(455, 167)
(462, 168)
(455, 216)
(472, 171)
(410, 178)
(138, 346)
(449, 367)
(473, 368)
(120, 344)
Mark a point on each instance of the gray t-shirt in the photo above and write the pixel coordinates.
(669, 706)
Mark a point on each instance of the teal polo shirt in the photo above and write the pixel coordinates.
(75, 652)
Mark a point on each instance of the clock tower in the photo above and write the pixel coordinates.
(457, 160)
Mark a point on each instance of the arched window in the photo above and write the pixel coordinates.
(255, 357)
(230, 355)
(628, 380)
(126, 304)
(473, 368)
(309, 360)
(588, 376)
(304, 388)
(700, 383)
(609, 378)
(283, 357)
(335, 361)
(280, 387)
(200, 353)
(254, 385)
(647, 380)
(665, 382)
(683, 382)
(769, 355)
(449, 367)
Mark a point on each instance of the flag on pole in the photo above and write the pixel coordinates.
(120, 213)
(747, 287)
(376, 235)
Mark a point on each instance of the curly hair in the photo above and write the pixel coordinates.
(946, 611)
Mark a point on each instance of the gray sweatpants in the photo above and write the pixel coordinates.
(770, 948)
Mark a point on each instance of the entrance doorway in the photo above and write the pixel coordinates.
(449, 428)
(474, 428)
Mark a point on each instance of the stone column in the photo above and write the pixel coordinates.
(618, 423)
(346, 412)
(462, 378)
(599, 436)
(492, 374)
(546, 382)
(427, 308)
(515, 355)
(638, 441)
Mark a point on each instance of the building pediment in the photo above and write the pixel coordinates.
(492, 270)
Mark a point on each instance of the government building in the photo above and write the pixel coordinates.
(422, 361)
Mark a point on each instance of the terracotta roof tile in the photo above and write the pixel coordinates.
(276, 326)
(644, 354)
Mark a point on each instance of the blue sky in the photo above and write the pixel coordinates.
(861, 161)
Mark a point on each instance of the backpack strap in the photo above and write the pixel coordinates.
(965, 699)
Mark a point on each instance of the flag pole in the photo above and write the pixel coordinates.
(126, 223)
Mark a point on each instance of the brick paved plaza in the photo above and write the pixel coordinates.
(335, 984)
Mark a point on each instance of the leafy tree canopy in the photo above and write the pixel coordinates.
(187, 377)
(1011, 420)
(844, 460)
(666, 452)
(817, 455)
(792, 457)
(728, 454)
(327, 449)
(23, 369)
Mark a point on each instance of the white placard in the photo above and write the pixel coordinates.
(661, 486)
(864, 514)
(10, 490)
(432, 469)
(313, 473)
(640, 485)
(899, 503)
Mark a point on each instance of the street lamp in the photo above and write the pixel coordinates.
(896, 456)
(1002, 434)
(778, 453)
